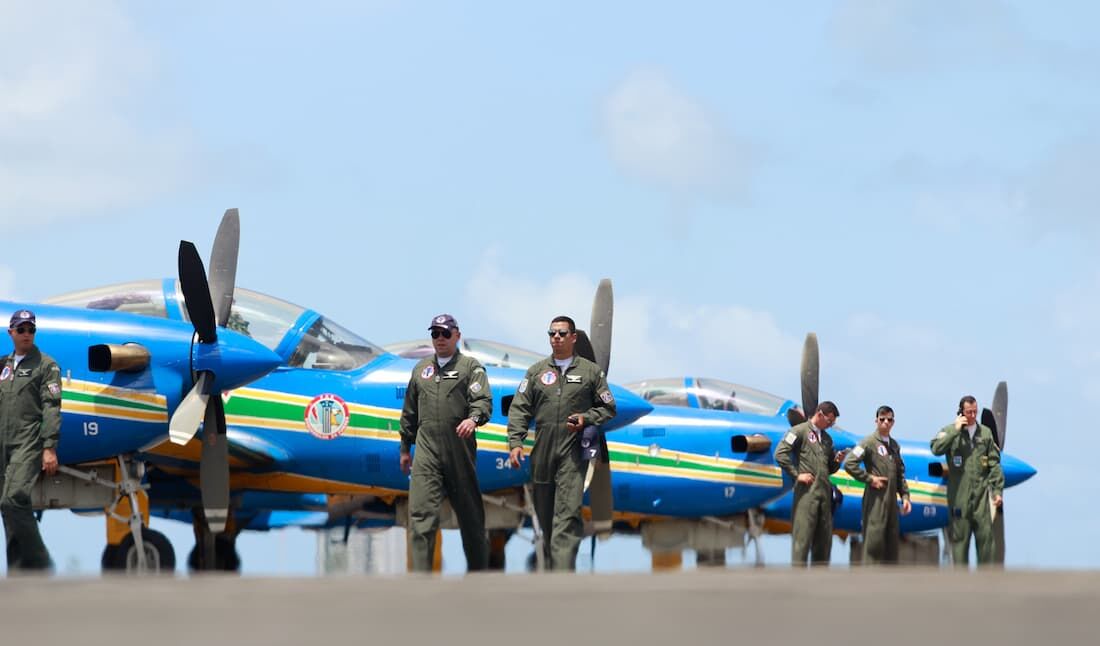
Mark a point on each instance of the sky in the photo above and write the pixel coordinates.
(916, 182)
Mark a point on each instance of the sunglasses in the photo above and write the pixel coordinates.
(889, 420)
(25, 329)
(436, 333)
(560, 333)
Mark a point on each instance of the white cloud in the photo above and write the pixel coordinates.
(911, 35)
(653, 337)
(658, 133)
(72, 77)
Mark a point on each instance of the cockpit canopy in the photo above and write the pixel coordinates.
(489, 353)
(302, 337)
(712, 394)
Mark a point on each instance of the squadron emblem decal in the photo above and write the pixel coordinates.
(549, 377)
(428, 371)
(327, 417)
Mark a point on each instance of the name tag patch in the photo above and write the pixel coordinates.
(572, 379)
(450, 374)
(23, 372)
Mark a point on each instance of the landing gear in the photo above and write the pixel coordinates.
(158, 554)
(213, 552)
(225, 556)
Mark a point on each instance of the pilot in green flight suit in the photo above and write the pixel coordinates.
(448, 397)
(564, 394)
(975, 482)
(876, 462)
(30, 426)
(806, 454)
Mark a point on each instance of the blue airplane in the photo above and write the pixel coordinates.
(324, 422)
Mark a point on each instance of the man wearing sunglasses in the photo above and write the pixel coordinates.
(563, 394)
(806, 454)
(448, 397)
(876, 462)
(30, 425)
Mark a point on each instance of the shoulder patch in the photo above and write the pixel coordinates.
(606, 397)
(54, 388)
(522, 386)
(858, 451)
(941, 435)
(475, 387)
(790, 439)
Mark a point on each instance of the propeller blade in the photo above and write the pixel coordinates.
(214, 467)
(185, 421)
(196, 293)
(598, 482)
(1000, 412)
(583, 348)
(603, 310)
(223, 265)
(810, 370)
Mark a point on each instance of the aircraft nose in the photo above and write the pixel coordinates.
(234, 359)
(1015, 470)
(629, 408)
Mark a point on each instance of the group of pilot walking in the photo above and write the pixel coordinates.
(975, 482)
(448, 398)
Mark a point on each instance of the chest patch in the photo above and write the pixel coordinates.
(812, 437)
(572, 379)
(427, 372)
(450, 374)
(6, 374)
(957, 461)
(549, 378)
(882, 450)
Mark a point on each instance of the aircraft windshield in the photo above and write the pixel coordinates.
(489, 353)
(712, 394)
(140, 297)
(327, 346)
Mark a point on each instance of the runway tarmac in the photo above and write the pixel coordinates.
(699, 607)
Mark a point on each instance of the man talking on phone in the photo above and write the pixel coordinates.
(975, 482)
(563, 394)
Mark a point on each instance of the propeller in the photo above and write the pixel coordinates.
(208, 306)
(810, 372)
(997, 420)
(598, 478)
(809, 379)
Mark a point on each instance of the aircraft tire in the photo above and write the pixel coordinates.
(226, 557)
(158, 553)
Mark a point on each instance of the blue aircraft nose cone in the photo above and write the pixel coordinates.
(629, 408)
(234, 359)
(1016, 470)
